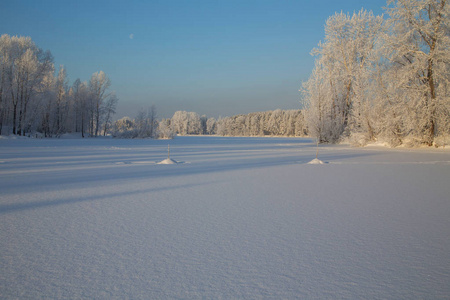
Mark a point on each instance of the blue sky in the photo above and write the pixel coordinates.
(217, 58)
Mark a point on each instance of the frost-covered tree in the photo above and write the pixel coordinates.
(152, 121)
(140, 124)
(98, 86)
(222, 126)
(184, 122)
(211, 126)
(418, 47)
(61, 95)
(5, 61)
(385, 80)
(179, 122)
(336, 94)
(273, 123)
(33, 98)
(194, 123)
(80, 97)
(165, 130)
(321, 117)
(146, 123)
(124, 128)
(23, 69)
(109, 111)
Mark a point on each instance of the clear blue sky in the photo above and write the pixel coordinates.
(212, 57)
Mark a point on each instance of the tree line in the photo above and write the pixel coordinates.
(383, 79)
(374, 79)
(270, 123)
(33, 99)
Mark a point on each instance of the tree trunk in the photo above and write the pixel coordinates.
(97, 118)
(430, 105)
(1, 99)
(14, 117)
(347, 104)
(82, 124)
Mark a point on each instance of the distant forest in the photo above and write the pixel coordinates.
(269, 123)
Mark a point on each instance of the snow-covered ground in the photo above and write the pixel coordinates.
(234, 218)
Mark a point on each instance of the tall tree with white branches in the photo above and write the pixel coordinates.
(419, 50)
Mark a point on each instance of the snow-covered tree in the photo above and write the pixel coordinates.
(336, 94)
(321, 117)
(146, 123)
(124, 128)
(98, 86)
(80, 97)
(418, 47)
(179, 122)
(184, 122)
(211, 126)
(274, 123)
(109, 111)
(61, 95)
(23, 68)
(32, 98)
(152, 122)
(385, 80)
(165, 130)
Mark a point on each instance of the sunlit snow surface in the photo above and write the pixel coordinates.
(241, 218)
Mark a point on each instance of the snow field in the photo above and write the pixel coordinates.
(242, 218)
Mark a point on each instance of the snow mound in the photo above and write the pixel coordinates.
(316, 161)
(168, 161)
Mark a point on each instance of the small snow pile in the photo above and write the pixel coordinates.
(316, 161)
(168, 161)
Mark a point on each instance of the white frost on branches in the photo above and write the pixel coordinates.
(377, 79)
